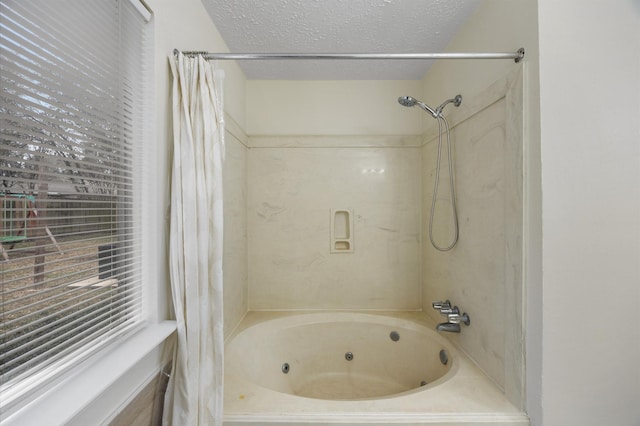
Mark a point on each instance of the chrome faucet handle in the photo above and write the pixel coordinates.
(457, 318)
(441, 305)
(449, 311)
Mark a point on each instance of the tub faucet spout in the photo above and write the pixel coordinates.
(453, 315)
(447, 326)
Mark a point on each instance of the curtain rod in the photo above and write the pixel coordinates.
(516, 56)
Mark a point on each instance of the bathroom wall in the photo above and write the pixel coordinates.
(493, 339)
(590, 110)
(317, 146)
(234, 267)
(316, 108)
(293, 189)
(483, 272)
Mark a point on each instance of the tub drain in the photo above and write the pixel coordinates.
(395, 336)
(285, 368)
(348, 356)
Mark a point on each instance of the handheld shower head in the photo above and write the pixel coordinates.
(408, 101)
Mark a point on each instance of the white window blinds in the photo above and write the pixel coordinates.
(71, 120)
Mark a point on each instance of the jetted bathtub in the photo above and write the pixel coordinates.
(354, 368)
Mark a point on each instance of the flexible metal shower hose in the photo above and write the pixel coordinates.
(442, 119)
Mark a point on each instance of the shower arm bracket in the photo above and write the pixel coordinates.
(457, 101)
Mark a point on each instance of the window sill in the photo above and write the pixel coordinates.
(67, 398)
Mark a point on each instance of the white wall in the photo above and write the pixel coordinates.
(351, 107)
(590, 138)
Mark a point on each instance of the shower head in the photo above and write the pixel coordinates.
(408, 101)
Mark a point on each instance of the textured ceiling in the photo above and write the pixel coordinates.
(338, 26)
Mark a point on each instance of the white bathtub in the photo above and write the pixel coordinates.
(345, 368)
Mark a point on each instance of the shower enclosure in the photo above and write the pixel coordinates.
(378, 162)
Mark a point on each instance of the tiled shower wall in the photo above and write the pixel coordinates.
(294, 182)
(235, 226)
(483, 273)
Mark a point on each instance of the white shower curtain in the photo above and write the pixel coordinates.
(195, 392)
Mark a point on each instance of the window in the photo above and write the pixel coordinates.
(72, 107)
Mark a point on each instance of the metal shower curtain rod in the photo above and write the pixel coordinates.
(516, 56)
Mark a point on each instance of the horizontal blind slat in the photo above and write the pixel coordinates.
(98, 153)
(76, 341)
(111, 264)
(71, 278)
(21, 114)
(35, 336)
(37, 313)
(70, 117)
(56, 44)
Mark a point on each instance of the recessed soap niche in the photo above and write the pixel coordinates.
(341, 231)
